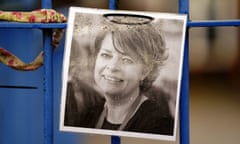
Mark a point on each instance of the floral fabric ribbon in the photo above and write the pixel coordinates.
(37, 16)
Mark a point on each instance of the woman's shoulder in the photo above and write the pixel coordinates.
(152, 117)
(83, 104)
(154, 108)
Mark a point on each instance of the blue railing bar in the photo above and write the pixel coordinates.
(47, 4)
(113, 5)
(115, 140)
(32, 25)
(48, 88)
(213, 23)
(184, 97)
(183, 6)
(48, 76)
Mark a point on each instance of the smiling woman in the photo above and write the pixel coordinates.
(128, 58)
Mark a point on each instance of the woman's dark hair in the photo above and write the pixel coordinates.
(144, 42)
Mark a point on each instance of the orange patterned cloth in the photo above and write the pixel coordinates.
(37, 16)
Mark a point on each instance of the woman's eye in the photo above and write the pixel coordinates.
(126, 60)
(105, 55)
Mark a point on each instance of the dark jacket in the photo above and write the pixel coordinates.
(151, 117)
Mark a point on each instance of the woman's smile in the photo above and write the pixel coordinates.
(112, 79)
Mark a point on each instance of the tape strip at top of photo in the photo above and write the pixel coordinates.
(128, 19)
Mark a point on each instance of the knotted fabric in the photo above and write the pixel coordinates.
(36, 16)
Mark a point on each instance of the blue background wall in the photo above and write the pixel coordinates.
(21, 109)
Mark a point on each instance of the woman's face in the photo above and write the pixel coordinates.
(117, 74)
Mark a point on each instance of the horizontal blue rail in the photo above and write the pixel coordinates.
(208, 23)
(32, 25)
(213, 23)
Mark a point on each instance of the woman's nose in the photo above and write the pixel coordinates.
(113, 65)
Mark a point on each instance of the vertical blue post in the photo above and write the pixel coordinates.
(48, 79)
(184, 99)
(115, 140)
(47, 4)
(183, 6)
(48, 87)
(113, 6)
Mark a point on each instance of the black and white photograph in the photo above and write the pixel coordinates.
(122, 73)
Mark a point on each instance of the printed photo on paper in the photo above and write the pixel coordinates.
(122, 73)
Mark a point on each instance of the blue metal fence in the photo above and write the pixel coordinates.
(48, 68)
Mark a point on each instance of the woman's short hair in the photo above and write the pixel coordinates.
(144, 42)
